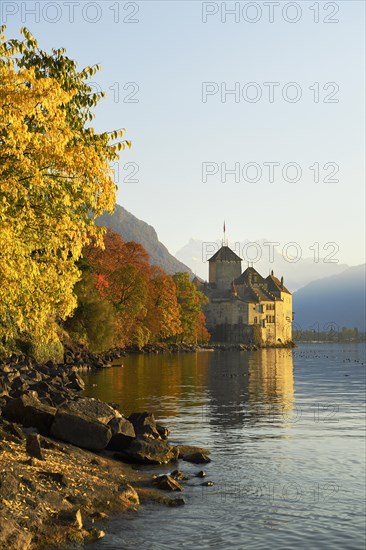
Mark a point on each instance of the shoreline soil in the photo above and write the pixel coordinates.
(67, 461)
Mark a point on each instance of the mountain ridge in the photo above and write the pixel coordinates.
(132, 228)
(338, 300)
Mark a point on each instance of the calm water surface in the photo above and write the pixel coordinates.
(286, 433)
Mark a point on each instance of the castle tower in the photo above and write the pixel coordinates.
(224, 268)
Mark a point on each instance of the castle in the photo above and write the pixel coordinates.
(245, 307)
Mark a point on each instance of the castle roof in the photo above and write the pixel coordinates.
(274, 285)
(250, 276)
(225, 254)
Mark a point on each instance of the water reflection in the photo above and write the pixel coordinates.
(229, 389)
(246, 387)
(271, 384)
(282, 480)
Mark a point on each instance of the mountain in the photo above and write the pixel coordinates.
(296, 274)
(337, 300)
(132, 229)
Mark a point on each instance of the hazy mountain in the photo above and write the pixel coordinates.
(296, 274)
(339, 300)
(132, 229)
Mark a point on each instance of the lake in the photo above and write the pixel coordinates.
(286, 434)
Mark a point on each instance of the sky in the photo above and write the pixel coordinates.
(248, 112)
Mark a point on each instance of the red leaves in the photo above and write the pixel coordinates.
(101, 285)
(148, 303)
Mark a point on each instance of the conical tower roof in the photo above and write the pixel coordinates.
(225, 254)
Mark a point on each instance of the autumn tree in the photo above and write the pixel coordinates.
(125, 268)
(190, 302)
(92, 324)
(163, 317)
(55, 179)
(202, 334)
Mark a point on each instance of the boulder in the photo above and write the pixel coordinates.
(91, 408)
(144, 424)
(162, 431)
(148, 451)
(168, 483)
(197, 458)
(127, 496)
(33, 446)
(76, 382)
(190, 449)
(14, 430)
(178, 475)
(119, 442)
(18, 387)
(80, 430)
(122, 426)
(71, 517)
(123, 434)
(29, 411)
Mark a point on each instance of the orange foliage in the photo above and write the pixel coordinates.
(143, 296)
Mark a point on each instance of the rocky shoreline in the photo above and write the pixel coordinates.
(68, 461)
(85, 360)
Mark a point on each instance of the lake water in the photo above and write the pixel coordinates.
(286, 434)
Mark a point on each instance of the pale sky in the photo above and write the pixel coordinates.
(156, 57)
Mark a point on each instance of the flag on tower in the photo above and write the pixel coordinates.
(224, 227)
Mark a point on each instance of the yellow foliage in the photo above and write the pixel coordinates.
(55, 179)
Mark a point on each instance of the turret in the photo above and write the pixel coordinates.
(224, 268)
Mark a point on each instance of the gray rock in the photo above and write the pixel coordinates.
(81, 431)
(122, 426)
(123, 434)
(71, 517)
(33, 446)
(91, 408)
(190, 449)
(162, 431)
(178, 475)
(29, 411)
(168, 483)
(148, 451)
(144, 424)
(119, 442)
(197, 458)
(76, 382)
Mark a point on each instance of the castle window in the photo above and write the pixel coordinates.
(255, 320)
